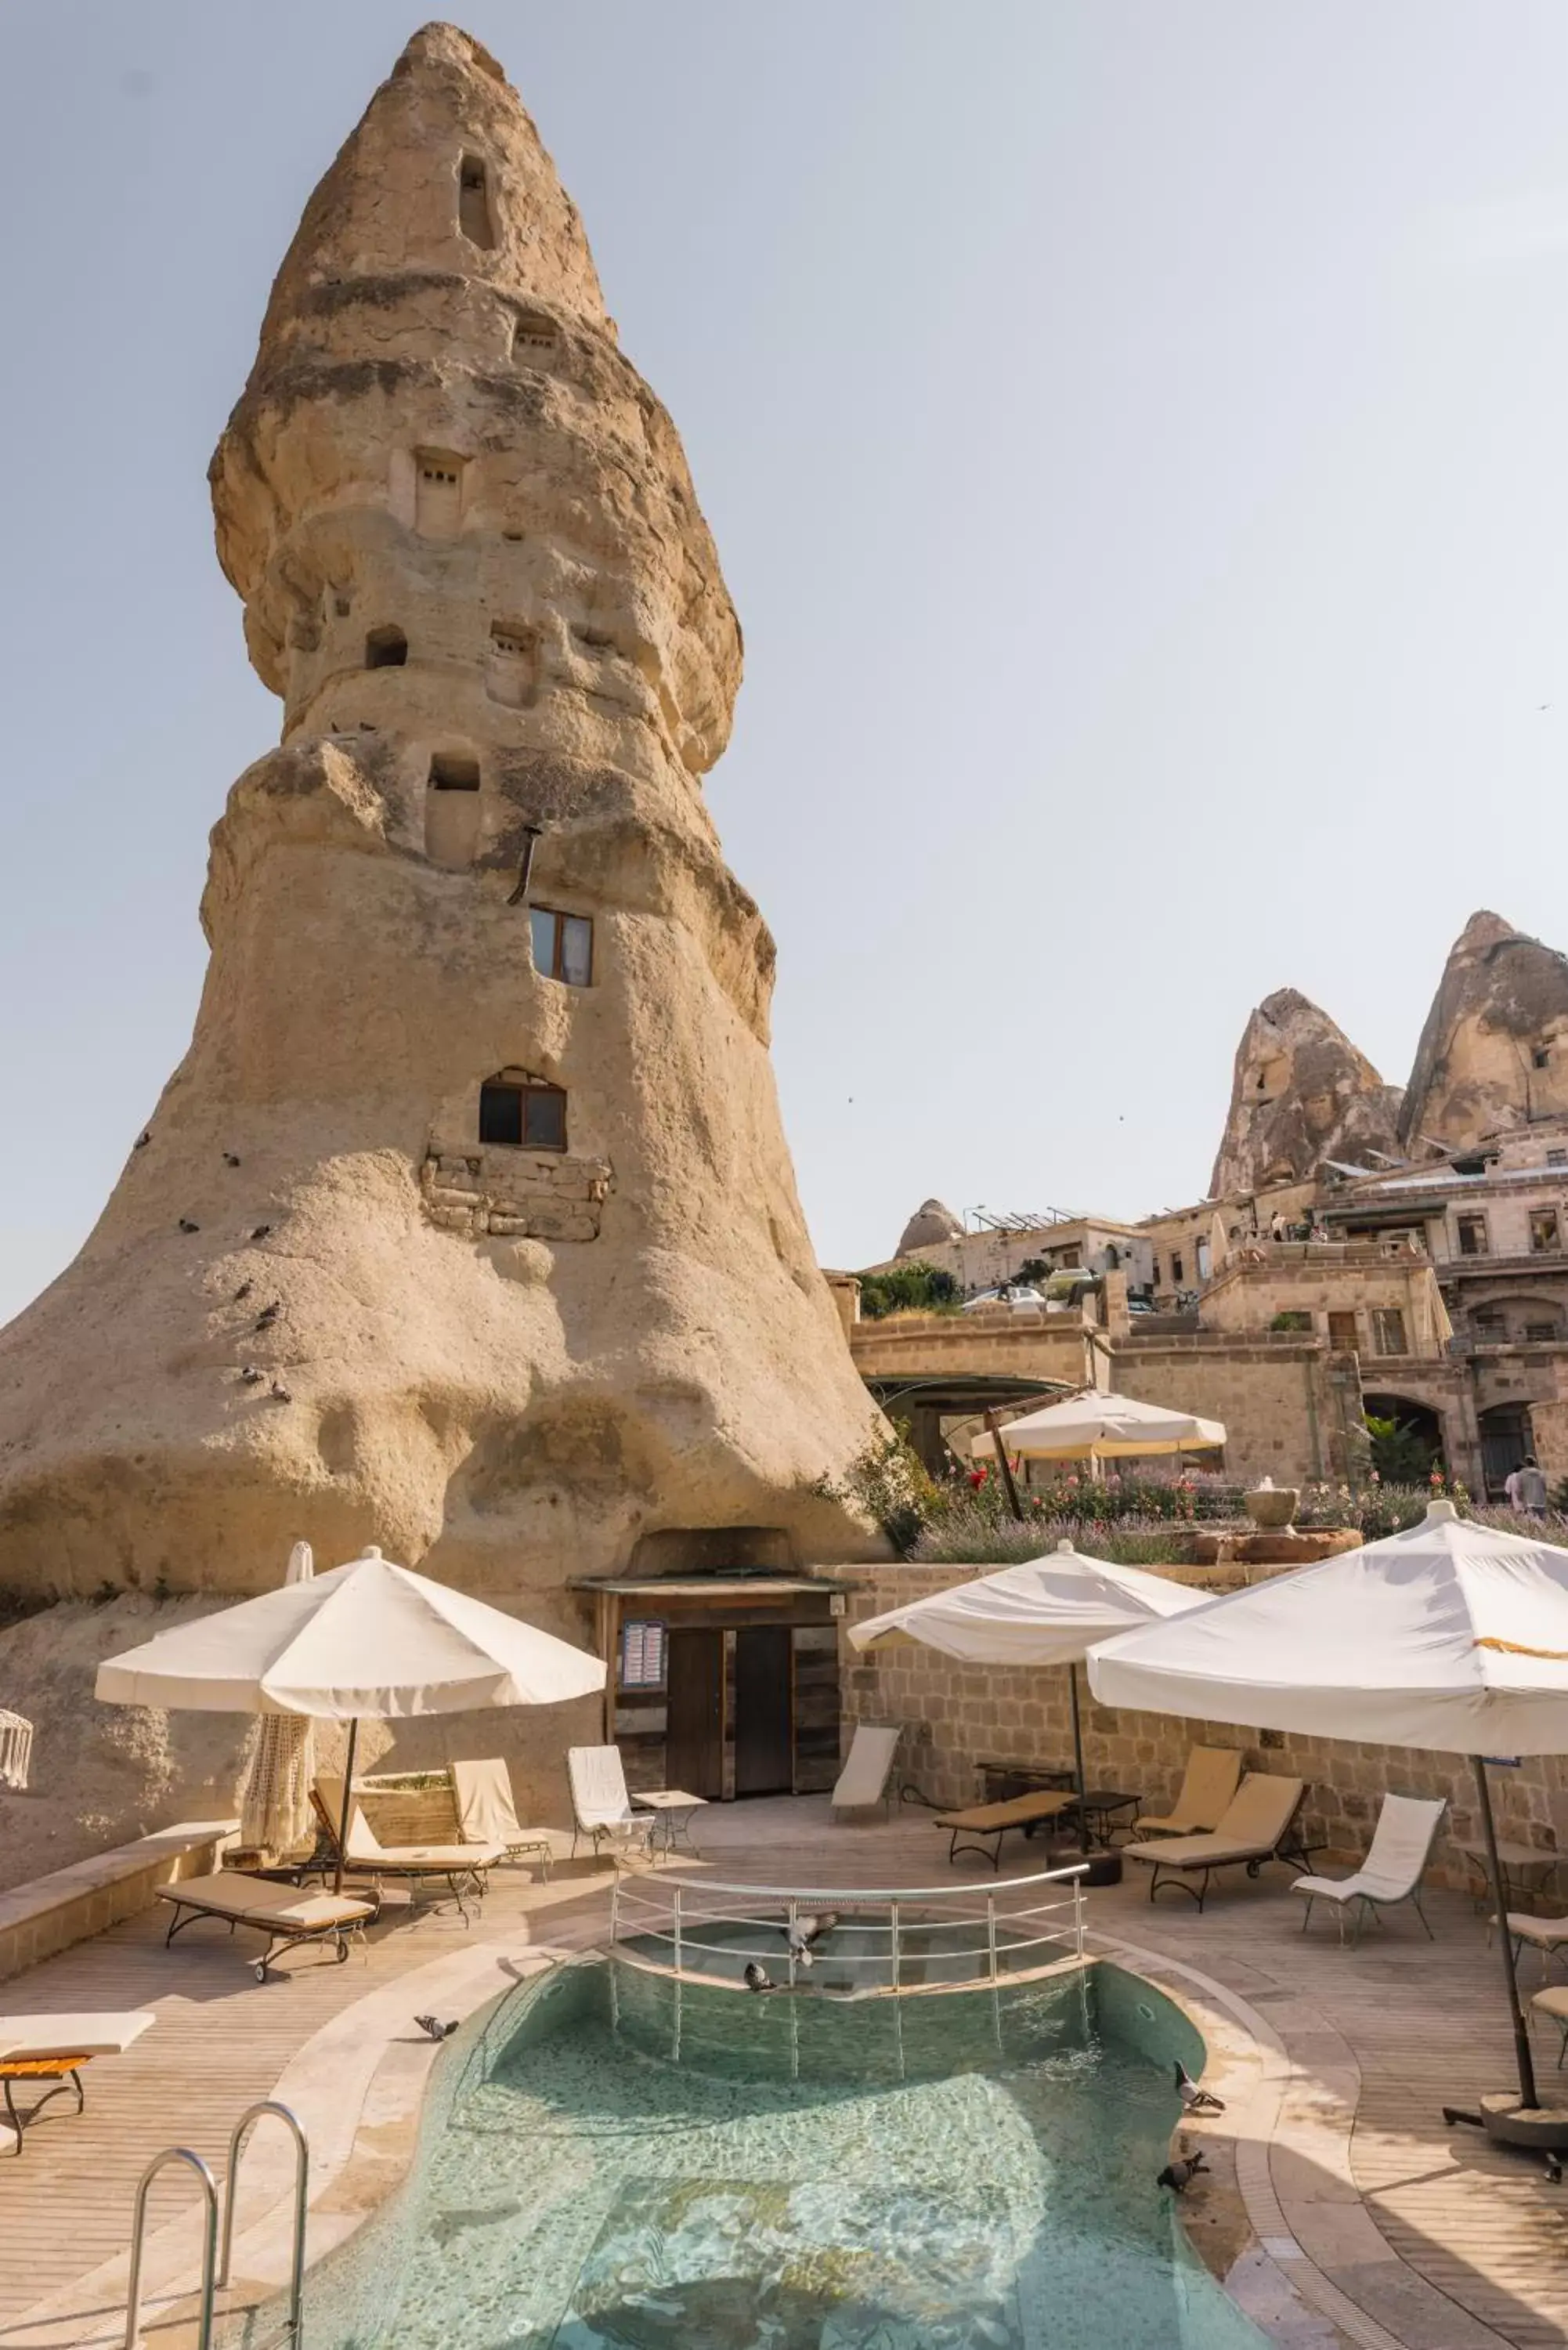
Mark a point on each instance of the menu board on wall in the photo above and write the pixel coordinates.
(642, 1654)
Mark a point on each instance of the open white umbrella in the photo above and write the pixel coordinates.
(1046, 1611)
(369, 1640)
(274, 1802)
(1115, 1427)
(1451, 1634)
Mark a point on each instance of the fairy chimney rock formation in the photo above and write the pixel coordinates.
(932, 1222)
(1493, 1053)
(467, 1224)
(1301, 1094)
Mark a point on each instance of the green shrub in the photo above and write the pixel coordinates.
(1292, 1320)
(913, 1288)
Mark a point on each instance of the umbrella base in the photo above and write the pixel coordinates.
(1532, 2129)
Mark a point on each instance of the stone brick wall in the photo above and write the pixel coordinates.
(958, 1715)
(524, 1195)
(1289, 1408)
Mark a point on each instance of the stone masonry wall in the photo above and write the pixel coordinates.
(958, 1715)
(523, 1195)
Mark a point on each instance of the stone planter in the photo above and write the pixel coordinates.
(1273, 1507)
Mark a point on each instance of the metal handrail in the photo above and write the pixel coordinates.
(877, 1897)
(238, 2138)
(209, 2244)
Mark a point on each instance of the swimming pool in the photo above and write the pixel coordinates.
(612, 2160)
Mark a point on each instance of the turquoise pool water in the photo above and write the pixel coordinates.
(613, 2162)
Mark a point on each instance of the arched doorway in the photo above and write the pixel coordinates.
(1505, 1439)
(1407, 1439)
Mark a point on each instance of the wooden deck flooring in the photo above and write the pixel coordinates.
(1480, 2237)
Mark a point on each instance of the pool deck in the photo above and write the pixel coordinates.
(1372, 2221)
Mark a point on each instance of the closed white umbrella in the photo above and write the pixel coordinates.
(1046, 1611)
(275, 1802)
(366, 1640)
(1116, 1427)
(1451, 1634)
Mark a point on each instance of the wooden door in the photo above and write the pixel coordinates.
(763, 1711)
(694, 1732)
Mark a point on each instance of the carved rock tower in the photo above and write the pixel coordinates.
(1301, 1093)
(467, 1224)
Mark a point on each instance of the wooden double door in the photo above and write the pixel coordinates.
(759, 1721)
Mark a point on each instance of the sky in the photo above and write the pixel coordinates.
(1134, 435)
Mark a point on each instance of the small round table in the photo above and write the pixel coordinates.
(672, 1807)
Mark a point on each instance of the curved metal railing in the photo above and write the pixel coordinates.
(673, 1915)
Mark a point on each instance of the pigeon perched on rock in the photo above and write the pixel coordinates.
(1178, 2175)
(230, 1160)
(187, 1226)
(267, 1316)
(758, 1977)
(251, 1375)
(260, 1231)
(280, 1394)
(437, 2030)
(244, 1291)
(1195, 2100)
(143, 1140)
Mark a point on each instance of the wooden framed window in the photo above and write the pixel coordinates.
(1388, 1330)
(1176, 1273)
(1472, 1235)
(563, 945)
(1545, 1233)
(1342, 1332)
(523, 1113)
(1542, 1334)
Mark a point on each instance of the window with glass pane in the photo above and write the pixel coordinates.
(563, 945)
(543, 1118)
(522, 1113)
(1544, 1235)
(1388, 1329)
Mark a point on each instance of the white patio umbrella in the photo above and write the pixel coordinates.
(1046, 1611)
(1450, 1635)
(1113, 1426)
(366, 1641)
(274, 1802)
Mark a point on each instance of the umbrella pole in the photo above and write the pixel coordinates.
(348, 1805)
(1005, 1465)
(1078, 1759)
(1527, 2096)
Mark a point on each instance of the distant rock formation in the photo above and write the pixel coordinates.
(1302, 1093)
(1494, 1051)
(932, 1221)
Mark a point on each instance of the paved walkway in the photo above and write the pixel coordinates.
(1434, 2239)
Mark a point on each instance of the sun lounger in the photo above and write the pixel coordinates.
(985, 1824)
(1553, 2005)
(462, 1867)
(865, 1780)
(486, 1813)
(1208, 1786)
(1392, 1870)
(1259, 1825)
(1547, 1935)
(286, 1914)
(601, 1808)
(54, 2048)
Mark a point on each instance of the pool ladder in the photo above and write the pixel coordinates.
(216, 2265)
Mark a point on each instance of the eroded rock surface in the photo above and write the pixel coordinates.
(467, 1224)
(1493, 1053)
(1301, 1094)
(932, 1221)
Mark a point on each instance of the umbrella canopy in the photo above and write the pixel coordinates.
(1107, 1424)
(367, 1639)
(274, 1802)
(1451, 1634)
(1047, 1611)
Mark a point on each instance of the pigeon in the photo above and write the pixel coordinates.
(1178, 2175)
(260, 1231)
(437, 2030)
(1195, 2100)
(244, 1291)
(267, 1316)
(230, 1160)
(280, 1394)
(187, 1226)
(806, 1931)
(143, 1140)
(758, 1977)
(250, 1375)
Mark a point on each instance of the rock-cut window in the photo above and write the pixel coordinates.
(523, 1112)
(385, 649)
(563, 945)
(474, 217)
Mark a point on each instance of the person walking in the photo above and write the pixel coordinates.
(1526, 1489)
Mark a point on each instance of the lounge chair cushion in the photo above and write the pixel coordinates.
(1208, 1789)
(1255, 1822)
(1544, 1933)
(1401, 1846)
(600, 1804)
(34, 2038)
(486, 1811)
(1014, 1811)
(863, 1782)
(263, 1901)
(366, 1850)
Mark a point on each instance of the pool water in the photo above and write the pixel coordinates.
(627, 2164)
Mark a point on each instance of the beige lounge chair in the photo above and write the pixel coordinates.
(1259, 1825)
(286, 1914)
(1208, 1786)
(486, 1813)
(1553, 2005)
(54, 2048)
(1547, 1935)
(1392, 1870)
(601, 1808)
(990, 1821)
(865, 1780)
(463, 1867)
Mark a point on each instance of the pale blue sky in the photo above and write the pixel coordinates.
(1134, 438)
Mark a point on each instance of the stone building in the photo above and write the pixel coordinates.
(467, 1224)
